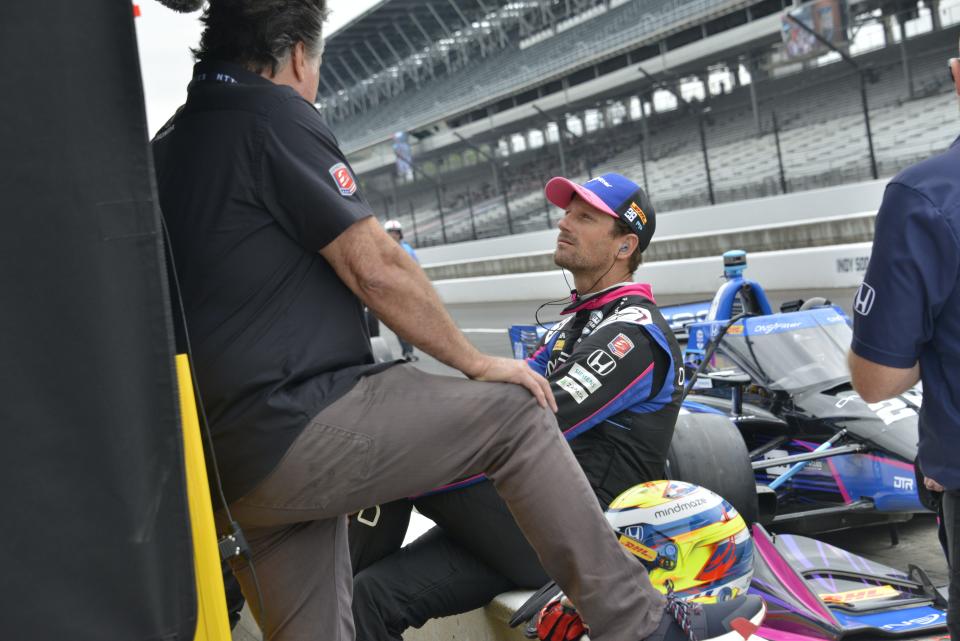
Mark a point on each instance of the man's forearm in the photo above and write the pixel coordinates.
(391, 283)
(406, 301)
(875, 382)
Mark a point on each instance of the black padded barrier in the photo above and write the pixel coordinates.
(94, 530)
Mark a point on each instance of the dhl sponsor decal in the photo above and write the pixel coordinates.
(638, 549)
(864, 594)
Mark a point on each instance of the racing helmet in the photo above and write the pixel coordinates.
(393, 225)
(693, 542)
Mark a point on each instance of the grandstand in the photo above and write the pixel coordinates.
(497, 97)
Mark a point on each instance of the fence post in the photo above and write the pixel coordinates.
(443, 224)
(866, 122)
(563, 156)
(904, 56)
(706, 160)
(413, 217)
(776, 139)
(643, 161)
(863, 84)
(506, 205)
(473, 222)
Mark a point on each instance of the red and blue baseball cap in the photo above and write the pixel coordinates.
(612, 194)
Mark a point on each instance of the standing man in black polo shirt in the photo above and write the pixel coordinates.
(275, 249)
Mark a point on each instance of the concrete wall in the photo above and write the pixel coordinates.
(841, 200)
(810, 268)
(810, 232)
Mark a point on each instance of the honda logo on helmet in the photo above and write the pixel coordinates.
(601, 362)
(863, 302)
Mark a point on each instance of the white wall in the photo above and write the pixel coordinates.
(817, 203)
(810, 268)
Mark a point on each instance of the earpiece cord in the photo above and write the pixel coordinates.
(573, 293)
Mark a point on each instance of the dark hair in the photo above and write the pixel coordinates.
(620, 228)
(259, 34)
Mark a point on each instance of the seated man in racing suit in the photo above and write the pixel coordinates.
(615, 369)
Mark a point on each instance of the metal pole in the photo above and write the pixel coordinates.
(863, 86)
(753, 95)
(561, 129)
(546, 210)
(496, 175)
(776, 139)
(866, 122)
(413, 217)
(643, 117)
(643, 163)
(473, 223)
(706, 160)
(443, 224)
(506, 205)
(396, 201)
(904, 57)
(563, 157)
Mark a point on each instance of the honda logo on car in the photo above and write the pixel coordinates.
(601, 362)
(679, 507)
(345, 182)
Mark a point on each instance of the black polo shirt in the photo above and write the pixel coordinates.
(252, 184)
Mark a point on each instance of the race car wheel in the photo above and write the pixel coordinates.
(707, 450)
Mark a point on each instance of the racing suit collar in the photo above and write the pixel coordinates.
(604, 296)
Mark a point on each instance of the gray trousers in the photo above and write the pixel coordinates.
(402, 432)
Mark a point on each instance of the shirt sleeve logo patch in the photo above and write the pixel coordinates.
(863, 301)
(344, 181)
(620, 346)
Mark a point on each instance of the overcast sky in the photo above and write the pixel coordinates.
(165, 38)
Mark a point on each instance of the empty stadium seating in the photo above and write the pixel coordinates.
(822, 138)
(631, 22)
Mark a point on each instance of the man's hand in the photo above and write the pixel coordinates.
(932, 485)
(508, 370)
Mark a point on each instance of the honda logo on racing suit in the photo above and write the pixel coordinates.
(601, 362)
(863, 302)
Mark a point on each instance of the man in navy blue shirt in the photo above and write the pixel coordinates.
(907, 323)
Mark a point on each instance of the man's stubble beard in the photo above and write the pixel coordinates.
(574, 263)
(569, 262)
